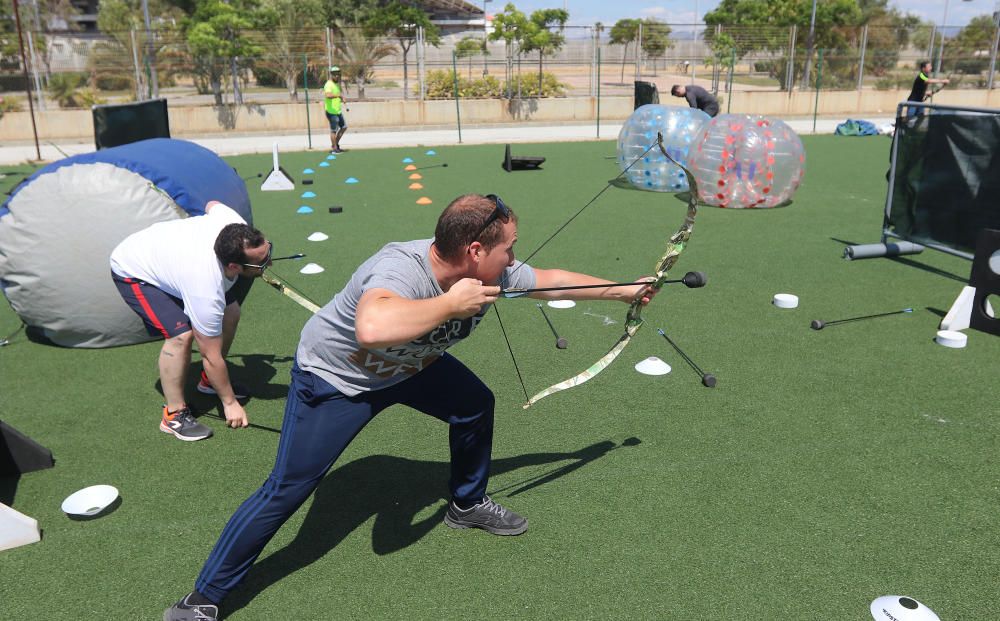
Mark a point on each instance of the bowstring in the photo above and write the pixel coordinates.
(506, 277)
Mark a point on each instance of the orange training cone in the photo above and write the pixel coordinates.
(416, 176)
(416, 186)
(410, 167)
(423, 200)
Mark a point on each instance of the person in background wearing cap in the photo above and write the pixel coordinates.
(334, 102)
(382, 341)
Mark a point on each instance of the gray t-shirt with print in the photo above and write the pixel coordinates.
(329, 347)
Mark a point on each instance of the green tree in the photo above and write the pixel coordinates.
(357, 55)
(400, 22)
(121, 21)
(469, 47)
(969, 51)
(625, 32)
(655, 40)
(762, 25)
(541, 38)
(513, 27)
(291, 31)
(344, 13)
(217, 37)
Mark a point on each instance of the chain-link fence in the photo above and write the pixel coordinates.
(253, 67)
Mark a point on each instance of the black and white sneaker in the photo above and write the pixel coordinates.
(183, 611)
(183, 425)
(487, 515)
(205, 387)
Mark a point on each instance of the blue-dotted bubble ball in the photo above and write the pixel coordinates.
(648, 169)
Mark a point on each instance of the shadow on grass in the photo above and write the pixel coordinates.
(394, 491)
(257, 373)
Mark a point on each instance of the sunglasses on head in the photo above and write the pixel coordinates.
(500, 212)
(267, 259)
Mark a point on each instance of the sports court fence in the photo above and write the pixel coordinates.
(79, 70)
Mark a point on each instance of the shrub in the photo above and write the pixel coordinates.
(441, 85)
(10, 104)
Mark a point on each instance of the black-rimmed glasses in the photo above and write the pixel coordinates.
(267, 259)
(500, 212)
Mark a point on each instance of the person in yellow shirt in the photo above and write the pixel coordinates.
(333, 100)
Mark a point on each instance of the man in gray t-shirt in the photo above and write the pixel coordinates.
(697, 97)
(382, 341)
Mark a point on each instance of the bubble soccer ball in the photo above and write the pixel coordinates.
(653, 171)
(745, 162)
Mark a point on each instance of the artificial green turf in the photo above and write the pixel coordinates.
(825, 469)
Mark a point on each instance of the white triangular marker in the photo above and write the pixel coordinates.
(277, 179)
(961, 311)
(16, 529)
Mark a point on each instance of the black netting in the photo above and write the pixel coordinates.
(946, 182)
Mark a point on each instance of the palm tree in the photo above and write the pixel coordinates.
(358, 56)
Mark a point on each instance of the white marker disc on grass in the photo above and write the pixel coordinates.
(317, 236)
(562, 303)
(652, 366)
(311, 268)
(785, 300)
(900, 608)
(90, 500)
(951, 338)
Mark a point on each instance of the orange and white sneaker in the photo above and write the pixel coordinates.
(183, 425)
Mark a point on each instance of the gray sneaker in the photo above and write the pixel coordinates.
(183, 425)
(183, 611)
(488, 516)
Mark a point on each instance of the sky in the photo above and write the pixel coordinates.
(587, 12)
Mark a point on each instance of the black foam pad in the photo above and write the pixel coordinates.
(985, 281)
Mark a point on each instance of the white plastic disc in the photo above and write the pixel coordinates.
(951, 338)
(900, 608)
(311, 268)
(90, 500)
(317, 236)
(785, 300)
(652, 366)
(562, 303)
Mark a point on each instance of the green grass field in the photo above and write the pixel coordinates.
(826, 468)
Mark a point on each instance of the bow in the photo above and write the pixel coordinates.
(633, 318)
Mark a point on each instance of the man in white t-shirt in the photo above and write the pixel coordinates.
(186, 279)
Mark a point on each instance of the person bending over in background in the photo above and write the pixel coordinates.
(697, 97)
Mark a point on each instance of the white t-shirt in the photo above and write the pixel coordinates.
(178, 258)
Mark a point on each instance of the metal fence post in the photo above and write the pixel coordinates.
(305, 87)
(993, 52)
(458, 110)
(135, 65)
(598, 92)
(790, 70)
(861, 64)
(329, 47)
(27, 83)
(34, 72)
(819, 81)
(638, 53)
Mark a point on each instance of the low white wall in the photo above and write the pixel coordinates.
(291, 117)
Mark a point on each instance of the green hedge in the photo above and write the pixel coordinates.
(441, 85)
